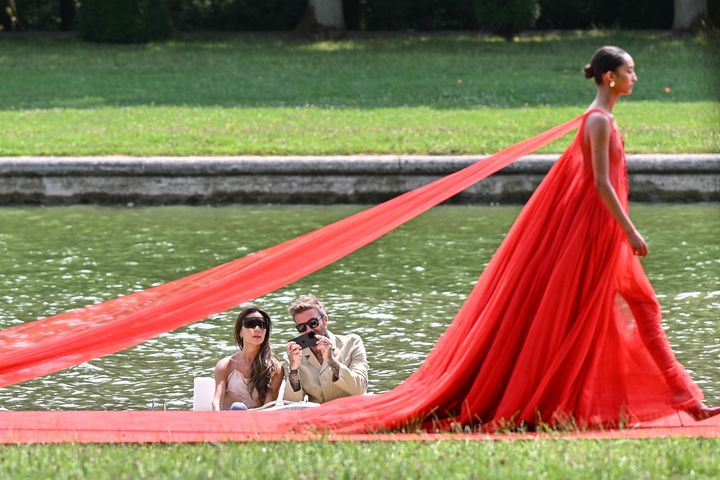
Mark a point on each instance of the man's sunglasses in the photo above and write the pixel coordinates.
(251, 323)
(312, 323)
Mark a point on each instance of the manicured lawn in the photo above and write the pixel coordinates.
(408, 94)
(636, 459)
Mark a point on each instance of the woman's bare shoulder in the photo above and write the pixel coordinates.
(597, 125)
(597, 119)
(223, 363)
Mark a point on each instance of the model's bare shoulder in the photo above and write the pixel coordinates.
(597, 128)
(597, 121)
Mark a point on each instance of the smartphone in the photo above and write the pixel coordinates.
(305, 340)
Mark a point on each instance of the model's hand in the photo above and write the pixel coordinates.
(324, 346)
(294, 354)
(637, 242)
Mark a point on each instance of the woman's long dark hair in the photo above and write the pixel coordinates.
(263, 367)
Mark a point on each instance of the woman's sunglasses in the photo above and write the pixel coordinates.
(312, 323)
(251, 323)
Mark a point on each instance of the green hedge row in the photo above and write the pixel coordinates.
(642, 14)
(381, 15)
(125, 21)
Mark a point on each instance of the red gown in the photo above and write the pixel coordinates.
(562, 327)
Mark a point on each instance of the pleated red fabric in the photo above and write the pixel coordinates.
(562, 328)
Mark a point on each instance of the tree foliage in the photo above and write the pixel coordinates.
(506, 17)
(374, 15)
(246, 15)
(124, 21)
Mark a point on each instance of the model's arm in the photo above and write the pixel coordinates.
(220, 379)
(598, 129)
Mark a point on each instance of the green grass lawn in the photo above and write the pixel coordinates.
(577, 459)
(407, 94)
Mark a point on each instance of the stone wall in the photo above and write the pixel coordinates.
(319, 180)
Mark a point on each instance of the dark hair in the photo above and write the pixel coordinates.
(605, 59)
(263, 367)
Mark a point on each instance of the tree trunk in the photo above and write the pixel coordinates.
(328, 13)
(9, 16)
(689, 14)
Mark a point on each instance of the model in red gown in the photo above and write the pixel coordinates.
(563, 326)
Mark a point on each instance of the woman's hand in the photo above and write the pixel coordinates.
(637, 242)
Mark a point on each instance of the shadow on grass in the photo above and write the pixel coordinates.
(441, 71)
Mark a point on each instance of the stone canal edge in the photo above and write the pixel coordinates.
(122, 180)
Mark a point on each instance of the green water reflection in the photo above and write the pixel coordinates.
(399, 293)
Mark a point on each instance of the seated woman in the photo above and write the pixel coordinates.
(251, 377)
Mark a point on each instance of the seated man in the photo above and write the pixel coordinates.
(335, 367)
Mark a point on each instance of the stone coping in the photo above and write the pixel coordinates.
(121, 180)
(350, 164)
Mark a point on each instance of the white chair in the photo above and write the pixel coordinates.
(203, 392)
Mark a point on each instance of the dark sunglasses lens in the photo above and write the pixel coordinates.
(312, 323)
(254, 323)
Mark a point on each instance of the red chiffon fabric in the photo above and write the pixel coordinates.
(562, 326)
(184, 426)
(45, 346)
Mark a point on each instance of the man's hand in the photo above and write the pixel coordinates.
(324, 346)
(294, 354)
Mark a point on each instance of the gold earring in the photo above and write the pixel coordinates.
(612, 83)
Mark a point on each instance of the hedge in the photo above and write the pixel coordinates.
(375, 15)
(124, 21)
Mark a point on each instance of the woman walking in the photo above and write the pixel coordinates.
(563, 327)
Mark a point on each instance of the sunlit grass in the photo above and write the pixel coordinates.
(637, 459)
(167, 130)
(435, 94)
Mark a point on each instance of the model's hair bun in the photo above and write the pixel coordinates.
(606, 59)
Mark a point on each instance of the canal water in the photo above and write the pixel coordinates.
(399, 293)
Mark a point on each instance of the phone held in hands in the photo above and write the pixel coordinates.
(305, 340)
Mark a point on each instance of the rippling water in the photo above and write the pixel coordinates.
(399, 293)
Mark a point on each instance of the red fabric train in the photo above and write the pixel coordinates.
(562, 326)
